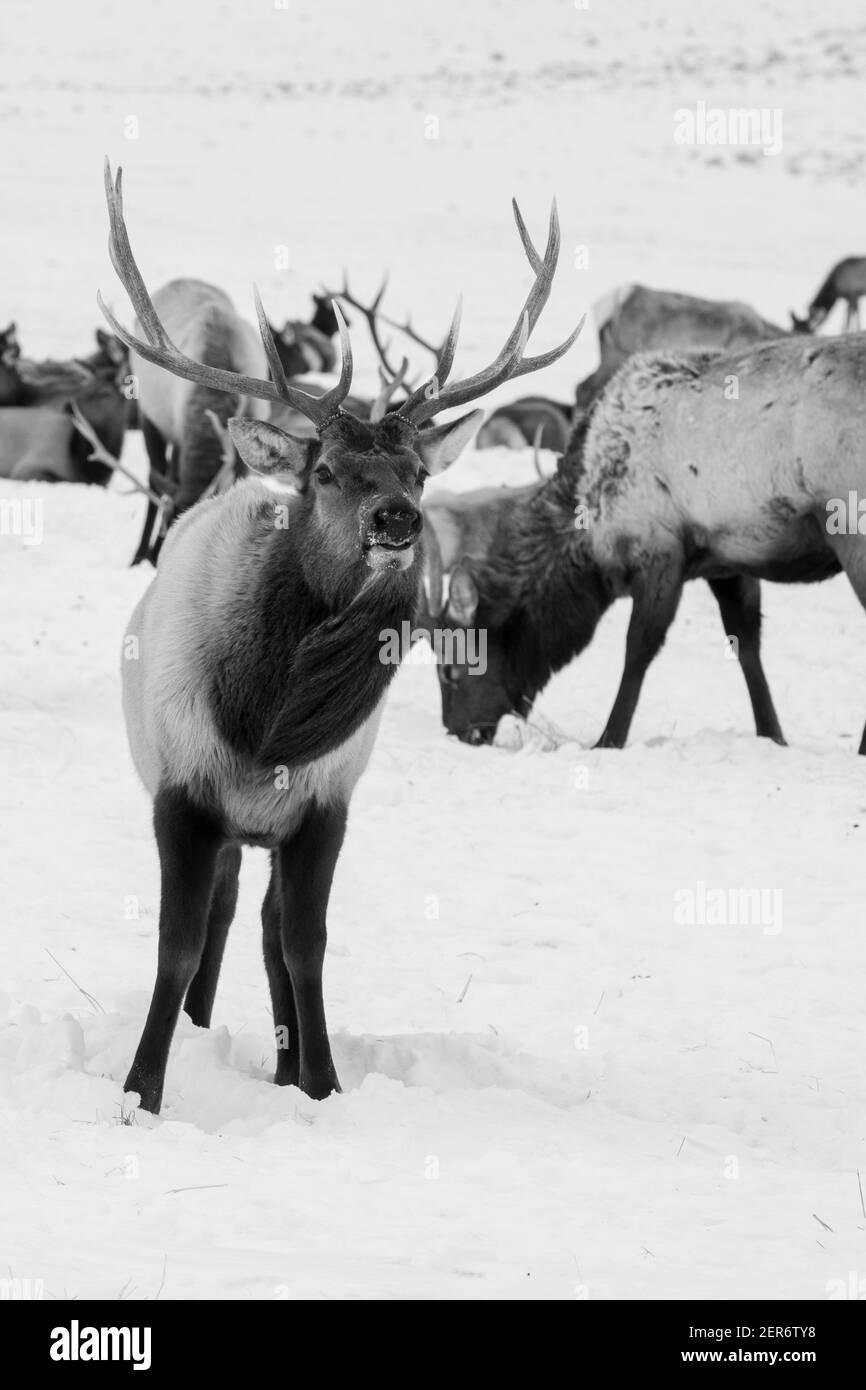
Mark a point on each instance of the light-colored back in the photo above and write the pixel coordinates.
(203, 323)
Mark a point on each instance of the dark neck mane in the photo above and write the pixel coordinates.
(541, 592)
(300, 670)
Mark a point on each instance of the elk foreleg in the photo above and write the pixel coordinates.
(280, 983)
(305, 870)
(655, 598)
(224, 900)
(188, 842)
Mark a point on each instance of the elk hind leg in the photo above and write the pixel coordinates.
(851, 553)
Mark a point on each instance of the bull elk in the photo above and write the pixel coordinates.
(257, 683)
(846, 281)
(670, 479)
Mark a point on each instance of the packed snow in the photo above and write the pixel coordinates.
(554, 1087)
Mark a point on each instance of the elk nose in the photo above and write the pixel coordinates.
(398, 521)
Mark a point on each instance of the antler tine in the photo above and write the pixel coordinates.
(332, 400)
(270, 347)
(369, 312)
(160, 350)
(380, 405)
(100, 454)
(429, 399)
(430, 388)
(124, 264)
(546, 359)
(412, 334)
(533, 257)
(510, 362)
(381, 295)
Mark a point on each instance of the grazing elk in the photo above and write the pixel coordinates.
(846, 281)
(634, 318)
(257, 683)
(670, 479)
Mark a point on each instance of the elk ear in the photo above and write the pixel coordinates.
(443, 444)
(266, 448)
(111, 346)
(462, 596)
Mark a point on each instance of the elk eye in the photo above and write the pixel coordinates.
(324, 474)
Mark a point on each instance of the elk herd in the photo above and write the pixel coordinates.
(288, 527)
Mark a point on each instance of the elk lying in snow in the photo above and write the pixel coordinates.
(530, 420)
(24, 382)
(634, 319)
(257, 683)
(846, 281)
(38, 440)
(669, 480)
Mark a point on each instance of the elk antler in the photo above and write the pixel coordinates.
(369, 312)
(412, 334)
(430, 398)
(226, 469)
(536, 449)
(100, 454)
(160, 350)
(379, 408)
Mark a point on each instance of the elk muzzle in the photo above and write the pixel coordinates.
(394, 526)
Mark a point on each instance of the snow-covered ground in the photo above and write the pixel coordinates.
(552, 1087)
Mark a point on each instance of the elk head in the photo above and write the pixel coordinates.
(811, 323)
(479, 678)
(359, 482)
(324, 319)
